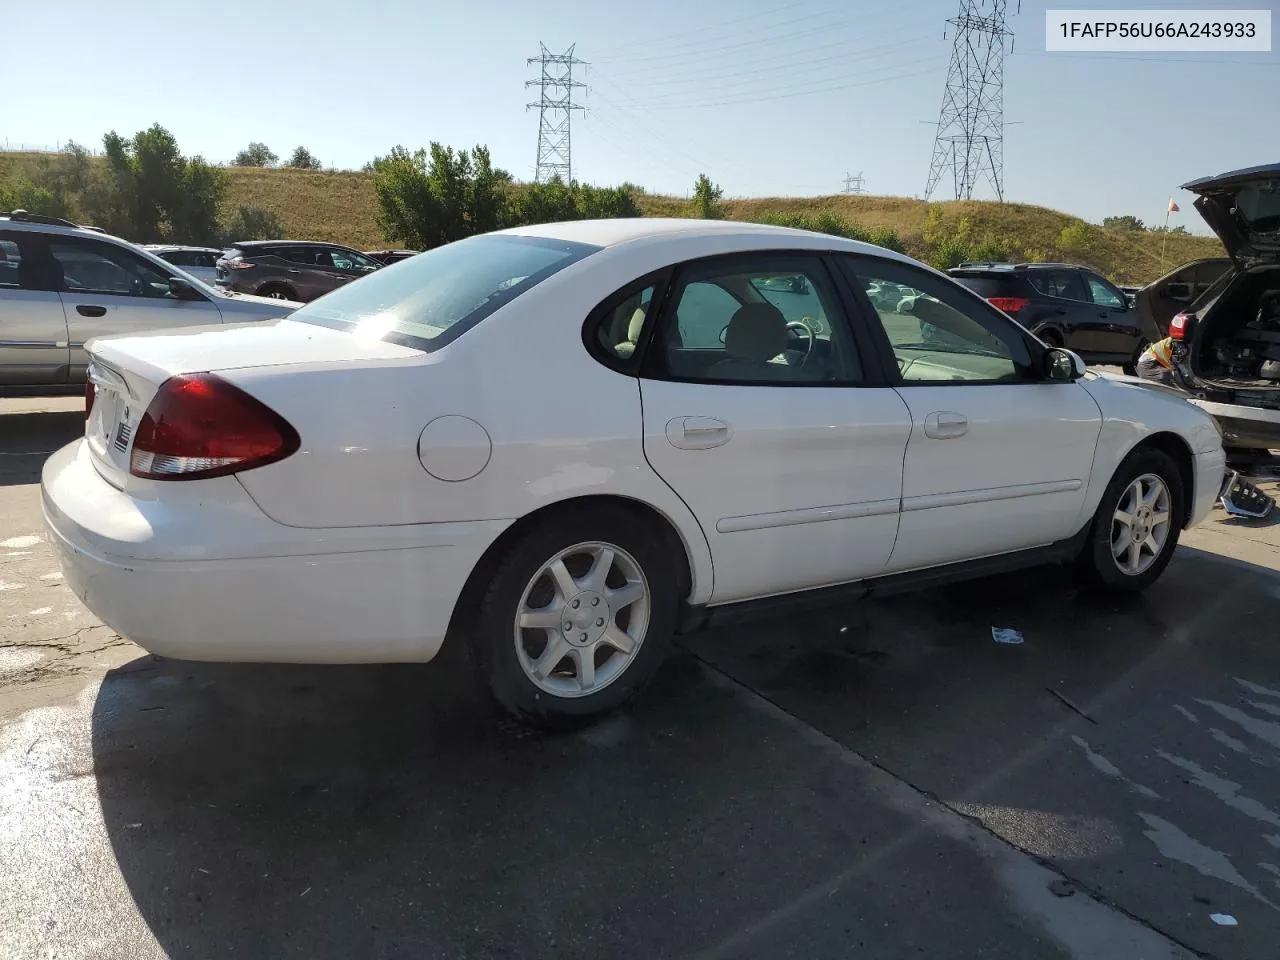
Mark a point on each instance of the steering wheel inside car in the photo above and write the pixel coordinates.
(809, 335)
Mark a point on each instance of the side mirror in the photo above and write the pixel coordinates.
(182, 290)
(1062, 364)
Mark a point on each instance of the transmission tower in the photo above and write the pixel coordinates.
(970, 138)
(555, 110)
(853, 184)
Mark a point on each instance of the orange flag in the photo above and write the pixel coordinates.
(1173, 207)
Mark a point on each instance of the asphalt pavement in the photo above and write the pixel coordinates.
(881, 780)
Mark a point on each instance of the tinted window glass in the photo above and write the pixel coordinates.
(939, 335)
(1103, 295)
(757, 319)
(10, 257)
(102, 268)
(985, 286)
(623, 322)
(437, 295)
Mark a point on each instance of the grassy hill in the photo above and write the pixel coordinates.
(340, 207)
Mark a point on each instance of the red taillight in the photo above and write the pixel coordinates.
(90, 394)
(1179, 326)
(1010, 305)
(199, 425)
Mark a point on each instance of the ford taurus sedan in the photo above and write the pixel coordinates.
(562, 444)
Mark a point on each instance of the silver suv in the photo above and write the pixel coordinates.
(62, 284)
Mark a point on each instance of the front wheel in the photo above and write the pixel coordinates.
(577, 619)
(1136, 527)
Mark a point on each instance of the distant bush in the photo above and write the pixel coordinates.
(250, 222)
(836, 226)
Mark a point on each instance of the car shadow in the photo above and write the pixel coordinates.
(27, 440)
(389, 811)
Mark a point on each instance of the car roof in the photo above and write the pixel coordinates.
(1013, 267)
(252, 244)
(611, 233)
(178, 246)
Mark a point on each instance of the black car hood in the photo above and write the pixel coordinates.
(1243, 208)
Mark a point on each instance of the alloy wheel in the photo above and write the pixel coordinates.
(581, 619)
(1140, 524)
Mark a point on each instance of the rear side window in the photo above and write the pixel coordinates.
(985, 286)
(436, 296)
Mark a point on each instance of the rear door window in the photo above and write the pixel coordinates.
(1062, 284)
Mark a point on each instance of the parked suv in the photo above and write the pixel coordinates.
(1065, 305)
(62, 285)
(200, 262)
(1226, 343)
(290, 269)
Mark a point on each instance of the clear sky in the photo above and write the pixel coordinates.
(769, 97)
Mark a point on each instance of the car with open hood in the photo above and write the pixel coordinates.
(1226, 342)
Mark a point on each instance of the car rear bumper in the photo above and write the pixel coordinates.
(353, 600)
(1242, 426)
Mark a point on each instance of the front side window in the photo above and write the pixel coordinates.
(89, 267)
(1103, 294)
(440, 294)
(755, 319)
(937, 333)
(349, 260)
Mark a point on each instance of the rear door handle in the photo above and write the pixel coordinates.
(291, 270)
(697, 433)
(944, 425)
(89, 310)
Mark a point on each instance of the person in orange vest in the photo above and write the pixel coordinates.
(1156, 362)
(1238, 496)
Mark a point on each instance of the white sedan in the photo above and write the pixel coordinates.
(562, 444)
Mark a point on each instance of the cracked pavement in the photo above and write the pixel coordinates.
(879, 780)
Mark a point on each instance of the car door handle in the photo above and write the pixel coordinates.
(945, 426)
(697, 433)
(1060, 311)
(90, 310)
(292, 270)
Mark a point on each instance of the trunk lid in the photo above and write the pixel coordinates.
(1243, 208)
(127, 371)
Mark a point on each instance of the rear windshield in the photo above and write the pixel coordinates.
(984, 286)
(1260, 205)
(428, 300)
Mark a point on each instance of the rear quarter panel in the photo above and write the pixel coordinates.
(559, 424)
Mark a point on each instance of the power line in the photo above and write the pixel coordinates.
(970, 137)
(555, 112)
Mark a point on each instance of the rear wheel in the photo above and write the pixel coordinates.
(577, 619)
(1050, 337)
(277, 291)
(1136, 527)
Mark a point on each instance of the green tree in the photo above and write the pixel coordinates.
(155, 193)
(1123, 223)
(427, 199)
(706, 199)
(251, 222)
(255, 155)
(302, 159)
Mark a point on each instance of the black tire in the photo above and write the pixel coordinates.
(1131, 368)
(492, 641)
(1050, 337)
(1096, 560)
(277, 291)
